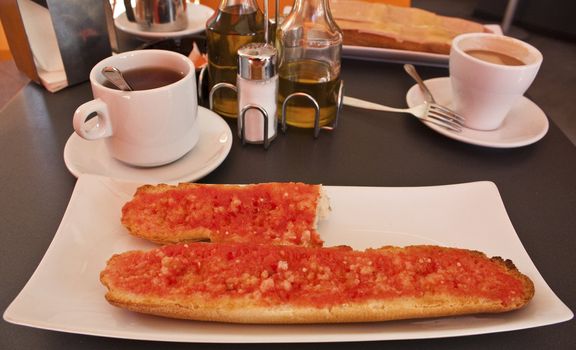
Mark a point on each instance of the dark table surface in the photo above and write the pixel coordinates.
(537, 184)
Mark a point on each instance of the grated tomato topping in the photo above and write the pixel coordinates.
(310, 276)
(280, 214)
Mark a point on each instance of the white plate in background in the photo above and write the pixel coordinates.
(197, 17)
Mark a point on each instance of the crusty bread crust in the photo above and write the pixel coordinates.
(394, 27)
(142, 221)
(236, 311)
(250, 309)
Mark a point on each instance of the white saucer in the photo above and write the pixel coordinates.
(197, 16)
(525, 124)
(91, 157)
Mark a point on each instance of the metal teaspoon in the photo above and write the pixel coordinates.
(411, 70)
(114, 75)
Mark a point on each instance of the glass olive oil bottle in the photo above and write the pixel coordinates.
(310, 45)
(235, 24)
(314, 78)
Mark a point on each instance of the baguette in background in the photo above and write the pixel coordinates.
(394, 27)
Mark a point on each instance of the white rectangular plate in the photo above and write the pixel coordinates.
(403, 56)
(64, 293)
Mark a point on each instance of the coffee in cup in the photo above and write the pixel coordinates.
(495, 57)
(153, 125)
(489, 73)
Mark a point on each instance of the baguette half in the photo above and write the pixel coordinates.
(251, 283)
(274, 213)
(395, 27)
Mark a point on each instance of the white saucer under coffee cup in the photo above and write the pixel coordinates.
(148, 127)
(484, 91)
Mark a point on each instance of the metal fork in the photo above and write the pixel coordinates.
(428, 112)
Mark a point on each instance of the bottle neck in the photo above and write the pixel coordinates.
(241, 6)
(314, 10)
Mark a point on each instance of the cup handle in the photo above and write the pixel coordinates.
(95, 128)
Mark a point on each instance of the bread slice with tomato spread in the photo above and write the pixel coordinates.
(252, 283)
(275, 213)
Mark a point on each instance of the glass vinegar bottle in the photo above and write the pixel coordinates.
(309, 43)
(234, 24)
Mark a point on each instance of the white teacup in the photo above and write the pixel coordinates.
(489, 73)
(143, 127)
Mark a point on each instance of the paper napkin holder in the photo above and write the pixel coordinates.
(56, 42)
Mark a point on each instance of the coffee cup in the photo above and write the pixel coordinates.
(489, 73)
(153, 125)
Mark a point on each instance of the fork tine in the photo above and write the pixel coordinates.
(441, 123)
(448, 111)
(441, 116)
(446, 115)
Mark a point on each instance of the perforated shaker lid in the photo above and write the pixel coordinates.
(257, 61)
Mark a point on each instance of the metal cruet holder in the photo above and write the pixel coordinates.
(316, 106)
(260, 109)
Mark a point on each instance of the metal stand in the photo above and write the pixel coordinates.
(316, 106)
(218, 87)
(200, 86)
(242, 129)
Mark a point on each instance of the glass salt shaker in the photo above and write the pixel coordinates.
(257, 85)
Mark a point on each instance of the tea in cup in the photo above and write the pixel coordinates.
(153, 125)
(489, 73)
